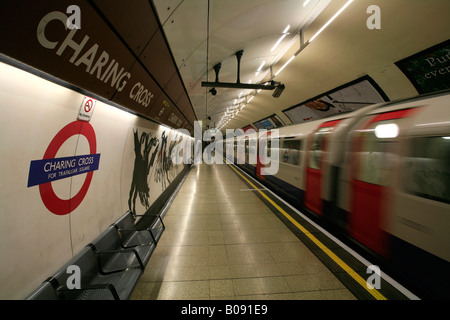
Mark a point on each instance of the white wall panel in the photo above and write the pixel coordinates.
(36, 239)
(102, 204)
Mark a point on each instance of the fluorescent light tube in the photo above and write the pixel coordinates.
(289, 61)
(281, 38)
(261, 66)
(331, 20)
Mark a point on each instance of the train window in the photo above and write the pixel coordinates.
(376, 155)
(292, 144)
(290, 151)
(250, 149)
(426, 168)
(266, 144)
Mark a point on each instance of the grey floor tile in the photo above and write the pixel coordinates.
(222, 242)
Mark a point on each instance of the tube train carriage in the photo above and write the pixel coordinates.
(380, 176)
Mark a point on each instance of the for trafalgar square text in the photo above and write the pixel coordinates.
(256, 148)
(48, 170)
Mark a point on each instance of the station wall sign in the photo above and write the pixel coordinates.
(50, 168)
(94, 57)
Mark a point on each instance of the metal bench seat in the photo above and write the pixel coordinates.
(93, 284)
(131, 236)
(110, 266)
(115, 257)
(44, 292)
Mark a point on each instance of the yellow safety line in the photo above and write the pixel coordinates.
(335, 258)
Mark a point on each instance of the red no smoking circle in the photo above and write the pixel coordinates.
(51, 200)
(88, 105)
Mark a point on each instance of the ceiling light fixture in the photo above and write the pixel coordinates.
(331, 20)
(284, 66)
(281, 38)
(277, 86)
(261, 66)
(315, 35)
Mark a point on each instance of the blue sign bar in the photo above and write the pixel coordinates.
(48, 170)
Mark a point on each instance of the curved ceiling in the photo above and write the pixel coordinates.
(203, 33)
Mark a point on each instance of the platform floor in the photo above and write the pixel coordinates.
(222, 242)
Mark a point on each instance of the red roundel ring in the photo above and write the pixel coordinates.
(50, 199)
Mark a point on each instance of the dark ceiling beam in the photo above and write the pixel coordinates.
(238, 85)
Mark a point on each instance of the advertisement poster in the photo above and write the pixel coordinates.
(349, 97)
(271, 122)
(429, 70)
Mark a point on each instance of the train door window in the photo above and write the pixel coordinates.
(247, 149)
(269, 147)
(317, 147)
(377, 152)
(290, 151)
(426, 168)
(265, 146)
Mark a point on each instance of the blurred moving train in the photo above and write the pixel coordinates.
(379, 176)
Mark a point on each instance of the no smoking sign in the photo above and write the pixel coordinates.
(87, 109)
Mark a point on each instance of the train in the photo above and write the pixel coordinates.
(377, 177)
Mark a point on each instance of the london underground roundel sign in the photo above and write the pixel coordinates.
(50, 168)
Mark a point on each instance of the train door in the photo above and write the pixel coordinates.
(372, 164)
(315, 166)
(422, 207)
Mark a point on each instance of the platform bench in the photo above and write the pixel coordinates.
(131, 236)
(116, 255)
(110, 265)
(95, 284)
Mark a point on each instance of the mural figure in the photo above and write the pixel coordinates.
(142, 165)
(163, 163)
(173, 144)
(152, 157)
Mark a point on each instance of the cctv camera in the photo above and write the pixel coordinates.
(278, 91)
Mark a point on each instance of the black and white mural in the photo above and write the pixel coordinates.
(154, 170)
